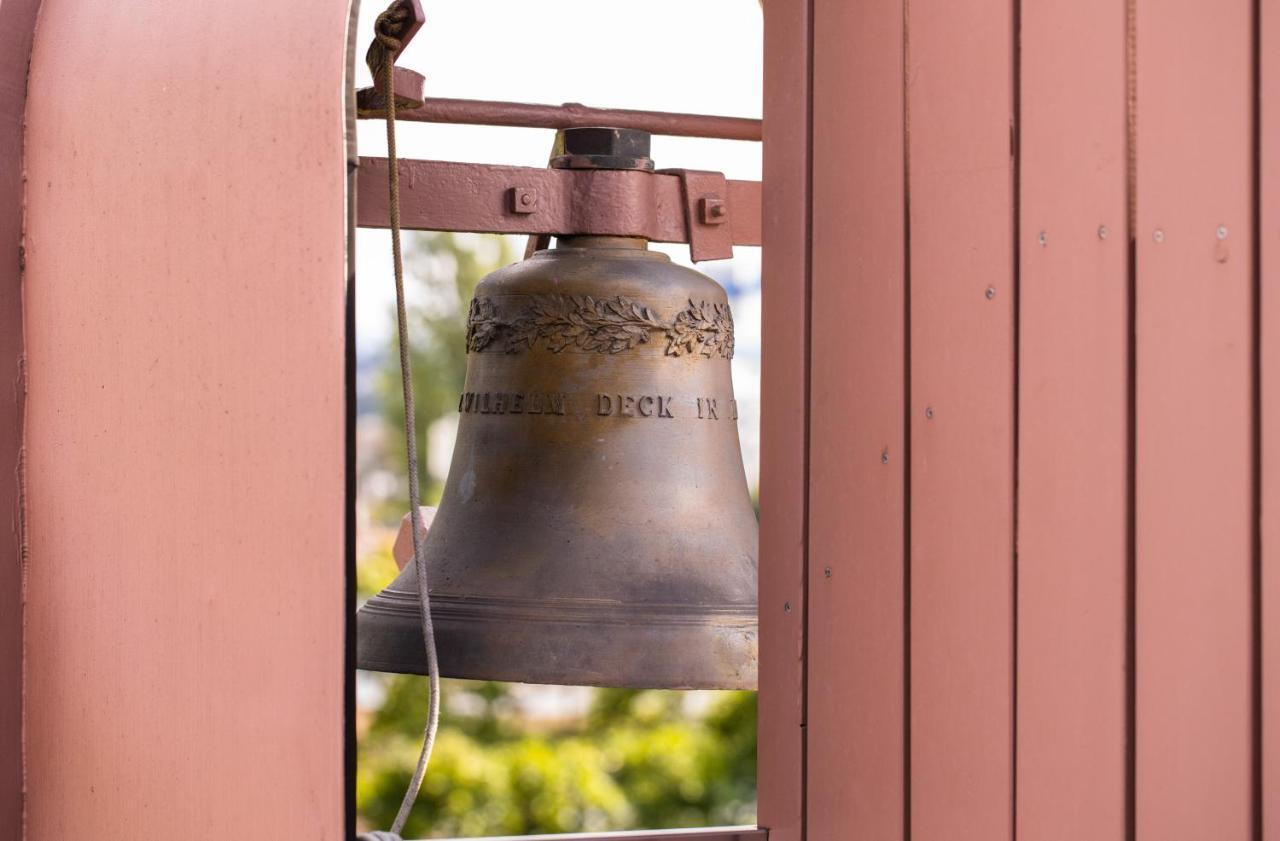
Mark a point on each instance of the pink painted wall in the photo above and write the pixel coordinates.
(184, 297)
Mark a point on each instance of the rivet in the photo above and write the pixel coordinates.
(786, 606)
(1222, 232)
(1158, 236)
(1043, 239)
(826, 571)
(928, 412)
(1103, 232)
(884, 456)
(991, 292)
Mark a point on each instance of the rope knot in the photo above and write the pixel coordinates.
(389, 31)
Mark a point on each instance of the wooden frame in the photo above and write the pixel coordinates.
(724, 833)
(17, 25)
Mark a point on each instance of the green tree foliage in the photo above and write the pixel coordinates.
(635, 759)
(441, 273)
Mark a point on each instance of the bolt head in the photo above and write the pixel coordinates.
(1103, 232)
(600, 147)
(1158, 235)
(714, 211)
(523, 200)
(1222, 232)
(928, 412)
(1043, 239)
(991, 292)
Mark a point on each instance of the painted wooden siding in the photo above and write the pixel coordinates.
(857, 431)
(960, 102)
(1269, 416)
(1194, 402)
(784, 418)
(1015, 219)
(1073, 424)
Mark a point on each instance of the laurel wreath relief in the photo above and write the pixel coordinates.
(599, 325)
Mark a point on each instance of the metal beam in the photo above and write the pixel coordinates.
(447, 196)
(572, 115)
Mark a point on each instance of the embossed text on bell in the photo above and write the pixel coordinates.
(595, 526)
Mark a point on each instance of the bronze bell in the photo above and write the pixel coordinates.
(596, 526)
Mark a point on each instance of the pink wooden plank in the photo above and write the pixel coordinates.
(184, 297)
(959, 104)
(856, 715)
(1269, 319)
(1194, 421)
(17, 22)
(961, 344)
(784, 416)
(1073, 455)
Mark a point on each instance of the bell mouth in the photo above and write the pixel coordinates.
(573, 642)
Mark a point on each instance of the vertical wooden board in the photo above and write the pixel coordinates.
(784, 414)
(1269, 380)
(1194, 421)
(1073, 405)
(17, 22)
(184, 303)
(856, 540)
(959, 105)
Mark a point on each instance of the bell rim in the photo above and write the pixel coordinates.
(705, 655)
(393, 602)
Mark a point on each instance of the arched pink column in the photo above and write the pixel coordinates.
(184, 292)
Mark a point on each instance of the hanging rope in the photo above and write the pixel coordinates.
(389, 28)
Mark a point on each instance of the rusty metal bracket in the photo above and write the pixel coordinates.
(410, 86)
(704, 209)
(706, 212)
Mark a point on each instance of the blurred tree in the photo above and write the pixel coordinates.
(442, 270)
(637, 759)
